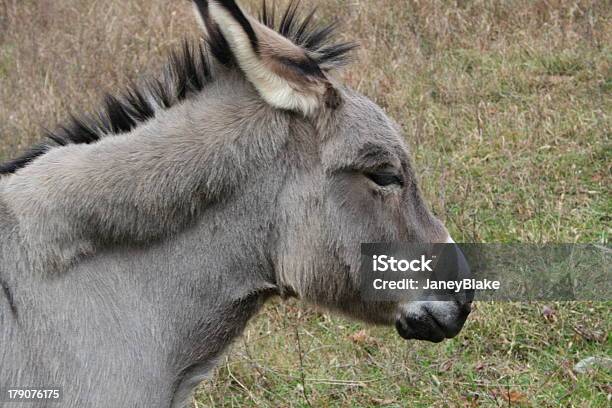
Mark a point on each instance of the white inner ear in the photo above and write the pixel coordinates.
(274, 89)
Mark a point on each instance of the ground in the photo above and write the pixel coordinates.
(506, 106)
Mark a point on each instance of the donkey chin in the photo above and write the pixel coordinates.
(437, 318)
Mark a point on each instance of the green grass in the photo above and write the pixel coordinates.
(505, 349)
(506, 106)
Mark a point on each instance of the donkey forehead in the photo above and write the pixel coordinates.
(364, 133)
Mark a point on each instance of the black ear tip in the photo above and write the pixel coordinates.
(201, 3)
(234, 10)
(202, 6)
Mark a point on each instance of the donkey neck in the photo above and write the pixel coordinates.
(156, 316)
(148, 184)
(155, 319)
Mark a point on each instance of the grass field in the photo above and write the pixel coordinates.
(507, 108)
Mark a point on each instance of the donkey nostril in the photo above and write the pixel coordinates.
(464, 306)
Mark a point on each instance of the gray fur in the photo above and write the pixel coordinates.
(135, 261)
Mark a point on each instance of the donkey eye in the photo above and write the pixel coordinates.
(385, 178)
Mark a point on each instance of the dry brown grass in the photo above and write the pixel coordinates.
(58, 56)
(507, 106)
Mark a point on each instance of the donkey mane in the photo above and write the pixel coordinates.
(187, 73)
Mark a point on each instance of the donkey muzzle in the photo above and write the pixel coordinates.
(440, 315)
(432, 321)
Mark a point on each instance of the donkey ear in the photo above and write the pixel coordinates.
(283, 73)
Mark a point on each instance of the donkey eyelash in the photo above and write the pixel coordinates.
(385, 178)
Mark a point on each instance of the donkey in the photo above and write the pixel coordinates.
(137, 243)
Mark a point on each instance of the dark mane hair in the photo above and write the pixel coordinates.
(186, 73)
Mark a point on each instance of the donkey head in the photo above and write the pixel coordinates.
(349, 177)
